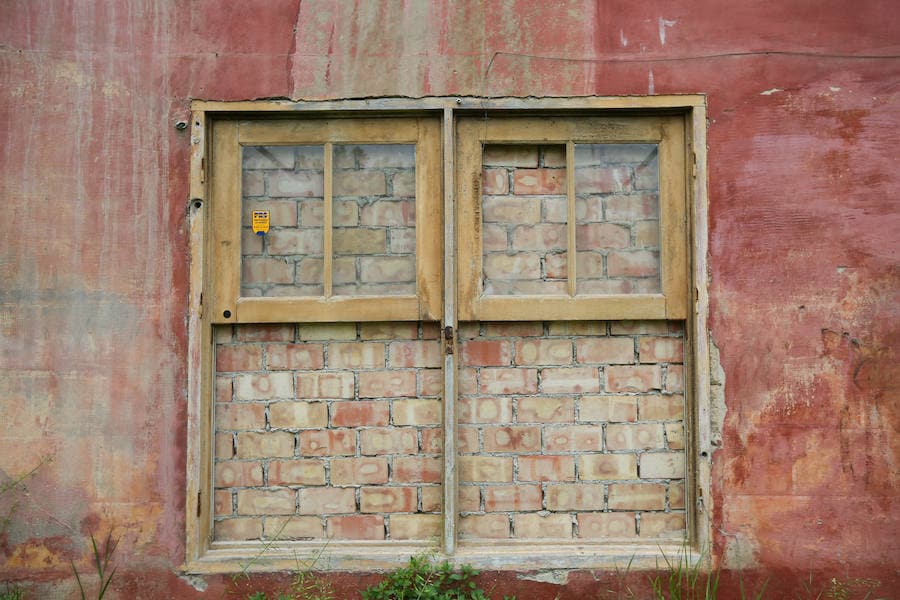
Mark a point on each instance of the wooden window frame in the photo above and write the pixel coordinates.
(203, 556)
(229, 136)
(667, 132)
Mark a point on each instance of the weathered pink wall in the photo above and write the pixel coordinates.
(804, 106)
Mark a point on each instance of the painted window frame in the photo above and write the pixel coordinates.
(204, 556)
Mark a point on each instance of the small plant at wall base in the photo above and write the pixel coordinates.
(423, 580)
(102, 562)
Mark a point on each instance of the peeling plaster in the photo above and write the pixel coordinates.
(555, 576)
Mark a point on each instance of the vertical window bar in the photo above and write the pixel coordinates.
(570, 217)
(327, 252)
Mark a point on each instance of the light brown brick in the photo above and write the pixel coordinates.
(601, 180)
(514, 329)
(637, 496)
(355, 355)
(224, 389)
(295, 356)
(266, 270)
(675, 436)
(238, 529)
(573, 438)
(387, 499)
(661, 349)
(417, 469)
(417, 412)
(543, 352)
(532, 525)
(545, 409)
(606, 525)
(404, 184)
(326, 331)
(512, 497)
(389, 213)
(431, 382)
(274, 444)
(327, 501)
(298, 415)
(518, 438)
(494, 181)
(431, 498)
(416, 353)
(325, 385)
(393, 440)
(521, 265)
(234, 416)
(638, 263)
(358, 183)
(238, 358)
(359, 471)
(325, 442)
(264, 333)
(570, 380)
(485, 410)
(510, 155)
(356, 527)
(485, 468)
(308, 241)
(265, 502)
(222, 502)
(614, 350)
(607, 408)
(658, 407)
(432, 440)
(263, 386)
(484, 526)
(508, 381)
(642, 378)
(356, 240)
(415, 527)
(546, 468)
(595, 467)
(543, 236)
(662, 465)
(224, 446)
(358, 413)
(663, 525)
(387, 384)
(637, 436)
(601, 236)
(468, 442)
(296, 472)
(574, 496)
(675, 378)
(510, 209)
(676, 494)
(238, 474)
(292, 528)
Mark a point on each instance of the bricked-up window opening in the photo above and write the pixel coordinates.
(464, 332)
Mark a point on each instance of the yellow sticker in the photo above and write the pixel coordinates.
(260, 222)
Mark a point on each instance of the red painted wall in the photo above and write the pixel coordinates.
(804, 107)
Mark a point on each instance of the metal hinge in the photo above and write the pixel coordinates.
(448, 340)
(199, 503)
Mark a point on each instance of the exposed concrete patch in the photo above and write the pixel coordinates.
(195, 581)
(717, 406)
(740, 551)
(555, 576)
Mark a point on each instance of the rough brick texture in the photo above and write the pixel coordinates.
(557, 441)
(525, 216)
(328, 430)
(373, 220)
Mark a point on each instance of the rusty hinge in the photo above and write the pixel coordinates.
(448, 340)
(199, 503)
(693, 164)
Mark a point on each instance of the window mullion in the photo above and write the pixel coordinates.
(570, 218)
(327, 213)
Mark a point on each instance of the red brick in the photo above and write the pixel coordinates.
(467, 442)
(416, 353)
(607, 408)
(573, 438)
(532, 525)
(392, 440)
(387, 384)
(468, 499)
(238, 474)
(415, 527)
(596, 467)
(238, 358)
(539, 181)
(512, 439)
(325, 385)
(485, 468)
(417, 469)
(417, 412)
(298, 415)
(637, 496)
(494, 181)
(494, 238)
(545, 409)
(637, 436)
(640, 263)
(467, 380)
(544, 352)
(294, 356)
(661, 349)
(574, 496)
(601, 236)
(546, 468)
(484, 526)
(222, 503)
(543, 237)
(296, 472)
(387, 499)
(324, 442)
(265, 502)
(264, 333)
(642, 378)
(224, 446)
(431, 382)
(601, 180)
(512, 497)
(356, 527)
(485, 410)
(359, 471)
(224, 389)
(632, 208)
(236, 416)
(485, 353)
(606, 525)
(616, 350)
(356, 413)
(570, 380)
(356, 355)
(432, 440)
(327, 501)
(507, 381)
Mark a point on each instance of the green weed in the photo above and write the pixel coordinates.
(422, 579)
(102, 562)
